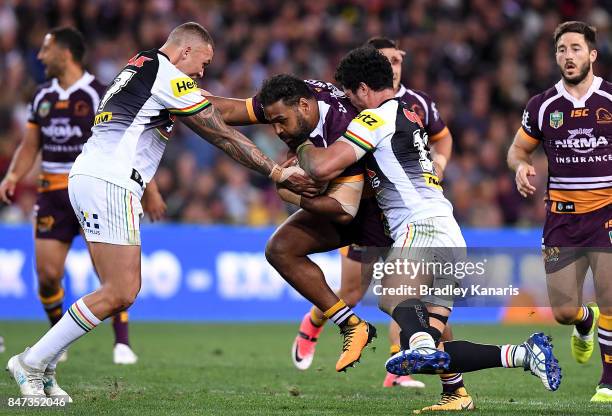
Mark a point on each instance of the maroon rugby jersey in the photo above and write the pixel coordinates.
(64, 118)
(335, 114)
(577, 137)
(425, 108)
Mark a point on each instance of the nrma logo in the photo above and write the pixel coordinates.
(581, 141)
(60, 130)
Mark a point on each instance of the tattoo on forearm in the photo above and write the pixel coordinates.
(209, 124)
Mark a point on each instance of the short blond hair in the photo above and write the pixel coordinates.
(190, 30)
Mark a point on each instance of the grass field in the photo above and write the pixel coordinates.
(222, 369)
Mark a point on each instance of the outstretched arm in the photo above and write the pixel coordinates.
(235, 111)
(209, 125)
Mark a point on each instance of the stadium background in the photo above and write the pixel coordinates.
(480, 61)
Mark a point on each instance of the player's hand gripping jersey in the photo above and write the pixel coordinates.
(134, 121)
(399, 165)
(577, 138)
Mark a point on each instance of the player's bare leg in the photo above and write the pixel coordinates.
(122, 351)
(565, 295)
(601, 264)
(287, 250)
(50, 259)
(352, 289)
(118, 267)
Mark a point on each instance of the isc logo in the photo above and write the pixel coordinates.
(580, 112)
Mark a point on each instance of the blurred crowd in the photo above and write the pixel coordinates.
(480, 60)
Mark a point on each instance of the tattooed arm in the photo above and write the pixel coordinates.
(209, 125)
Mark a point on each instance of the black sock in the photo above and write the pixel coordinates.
(411, 315)
(467, 356)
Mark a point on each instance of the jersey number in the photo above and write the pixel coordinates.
(119, 82)
(420, 139)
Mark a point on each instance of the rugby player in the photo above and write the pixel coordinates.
(318, 110)
(61, 114)
(419, 218)
(441, 142)
(573, 122)
(131, 127)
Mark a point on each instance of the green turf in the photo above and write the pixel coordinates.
(223, 369)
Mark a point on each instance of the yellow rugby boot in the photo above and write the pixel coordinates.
(457, 401)
(582, 345)
(356, 338)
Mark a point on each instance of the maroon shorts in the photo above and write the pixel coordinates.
(55, 217)
(366, 232)
(568, 237)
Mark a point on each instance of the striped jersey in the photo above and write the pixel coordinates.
(576, 135)
(425, 108)
(64, 119)
(399, 165)
(135, 119)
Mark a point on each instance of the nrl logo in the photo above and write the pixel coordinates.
(556, 119)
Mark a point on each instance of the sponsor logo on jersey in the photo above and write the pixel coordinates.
(138, 61)
(44, 108)
(374, 181)
(419, 111)
(556, 119)
(582, 141)
(81, 109)
(432, 180)
(579, 112)
(62, 104)
(60, 130)
(603, 116)
(412, 116)
(369, 120)
(183, 86)
(103, 118)
(525, 121)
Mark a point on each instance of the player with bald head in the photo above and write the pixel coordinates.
(133, 123)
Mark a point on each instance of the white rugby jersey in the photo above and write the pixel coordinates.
(134, 120)
(399, 165)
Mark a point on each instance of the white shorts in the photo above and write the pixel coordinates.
(436, 239)
(107, 212)
(431, 232)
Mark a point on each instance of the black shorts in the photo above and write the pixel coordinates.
(55, 217)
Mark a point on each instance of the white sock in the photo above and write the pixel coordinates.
(76, 322)
(513, 355)
(53, 363)
(421, 340)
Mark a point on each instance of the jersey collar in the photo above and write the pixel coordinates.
(64, 94)
(162, 54)
(402, 90)
(579, 103)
